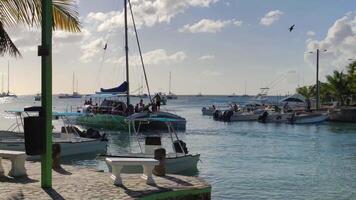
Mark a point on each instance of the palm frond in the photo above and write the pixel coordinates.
(6, 44)
(65, 15)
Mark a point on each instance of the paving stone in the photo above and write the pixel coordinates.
(86, 183)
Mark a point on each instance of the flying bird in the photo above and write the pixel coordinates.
(291, 28)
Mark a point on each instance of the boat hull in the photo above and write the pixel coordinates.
(102, 121)
(244, 117)
(174, 165)
(309, 119)
(68, 148)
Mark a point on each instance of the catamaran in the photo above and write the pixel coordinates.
(113, 114)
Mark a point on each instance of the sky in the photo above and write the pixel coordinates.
(210, 46)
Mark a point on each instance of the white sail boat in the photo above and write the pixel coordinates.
(75, 93)
(170, 94)
(6, 94)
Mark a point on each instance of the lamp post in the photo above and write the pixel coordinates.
(317, 78)
(45, 51)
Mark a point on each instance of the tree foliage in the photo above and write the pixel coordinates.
(28, 12)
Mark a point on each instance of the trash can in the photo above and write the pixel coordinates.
(35, 143)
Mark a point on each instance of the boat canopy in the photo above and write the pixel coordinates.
(120, 89)
(54, 114)
(104, 95)
(297, 98)
(154, 119)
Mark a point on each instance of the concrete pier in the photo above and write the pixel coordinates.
(343, 114)
(75, 182)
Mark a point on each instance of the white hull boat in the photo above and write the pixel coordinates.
(208, 111)
(274, 117)
(69, 146)
(174, 164)
(244, 116)
(178, 161)
(309, 118)
(72, 141)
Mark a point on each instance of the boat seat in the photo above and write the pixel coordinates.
(17, 162)
(116, 164)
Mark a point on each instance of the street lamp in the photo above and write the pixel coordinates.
(317, 78)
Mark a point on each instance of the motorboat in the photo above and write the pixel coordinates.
(208, 110)
(178, 161)
(274, 117)
(309, 118)
(245, 116)
(72, 140)
(294, 102)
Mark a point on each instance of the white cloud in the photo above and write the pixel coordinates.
(271, 17)
(91, 50)
(27, 39)
(311, 33)
(206, 57)
(340, 43)
(208, 26)
(147, 13)
(154, 57)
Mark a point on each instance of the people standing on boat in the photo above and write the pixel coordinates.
(158, 102)
(141, 105)
(137, 108)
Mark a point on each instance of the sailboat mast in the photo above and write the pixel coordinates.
(170, 79)
(73, 83)
(127, 56)
(2, 83)
(245, 88)
(8, 77)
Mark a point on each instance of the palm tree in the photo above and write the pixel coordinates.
(28, 12)
(351, 76)
(305, 91)
(338, 86)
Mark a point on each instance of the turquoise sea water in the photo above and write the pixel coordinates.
(249, 160)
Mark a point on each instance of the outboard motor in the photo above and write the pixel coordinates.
(92, 133)
(263, 117)
(178, 145)
(227, 115)
(217, 115)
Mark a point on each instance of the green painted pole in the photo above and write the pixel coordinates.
(46, 73)
(317, 81)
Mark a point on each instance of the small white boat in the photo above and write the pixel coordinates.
(71, 140)
(178, 161)
(309, 118)
(244, 116)
(208, 110)
(275, 117)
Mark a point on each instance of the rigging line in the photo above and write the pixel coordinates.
(101, 66)
(139, 49)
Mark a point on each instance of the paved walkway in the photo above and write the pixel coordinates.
(84, 183)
